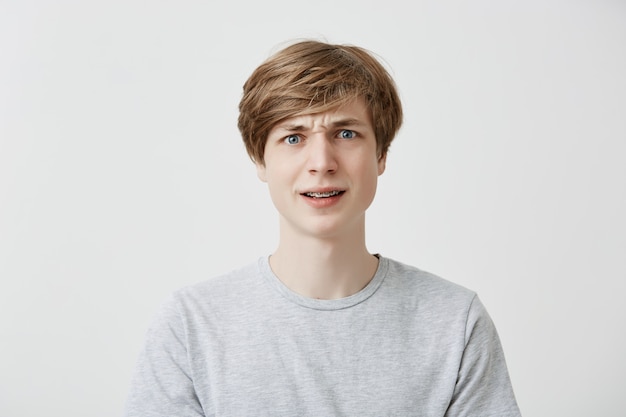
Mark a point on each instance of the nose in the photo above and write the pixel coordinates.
(321, 156)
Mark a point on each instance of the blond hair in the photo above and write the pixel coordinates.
(311, 77)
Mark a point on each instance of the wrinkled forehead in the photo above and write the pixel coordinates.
(354, 113)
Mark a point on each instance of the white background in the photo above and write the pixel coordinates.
(123, 178)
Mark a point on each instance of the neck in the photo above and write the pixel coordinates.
(324, 268)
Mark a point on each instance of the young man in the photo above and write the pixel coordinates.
(321, 327)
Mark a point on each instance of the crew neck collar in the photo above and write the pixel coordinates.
(337, 304)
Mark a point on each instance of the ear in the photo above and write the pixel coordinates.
(261, 171)
(382, 163)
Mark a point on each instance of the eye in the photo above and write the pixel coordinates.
(292, 139)
(347, 134)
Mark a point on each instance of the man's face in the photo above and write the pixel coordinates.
(322, 170)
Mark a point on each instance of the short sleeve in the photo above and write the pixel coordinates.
(162, 384)
(483, 387)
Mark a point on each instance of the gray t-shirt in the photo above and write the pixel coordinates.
(243, 344)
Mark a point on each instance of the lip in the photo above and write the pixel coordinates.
(322, 202)
(322, 190)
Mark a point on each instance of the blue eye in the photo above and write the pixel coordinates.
(347, 134)
(292, 139)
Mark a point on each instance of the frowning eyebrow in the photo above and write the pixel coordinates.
(294, 127)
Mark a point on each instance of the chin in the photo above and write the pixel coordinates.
(329, 227)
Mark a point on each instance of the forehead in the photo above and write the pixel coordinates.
(355, 114)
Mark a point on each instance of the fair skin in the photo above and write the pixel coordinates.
(322, 170)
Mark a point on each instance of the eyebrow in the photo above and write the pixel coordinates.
(292, 127)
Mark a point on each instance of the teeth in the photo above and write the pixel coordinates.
(323, 195)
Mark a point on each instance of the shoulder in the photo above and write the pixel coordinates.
(426, 290)
(222, 285)
(217, 295)
(424, 282)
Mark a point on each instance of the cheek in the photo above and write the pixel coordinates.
(279, 187)
(369, 182)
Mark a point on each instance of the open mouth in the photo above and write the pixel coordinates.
(325, 194)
